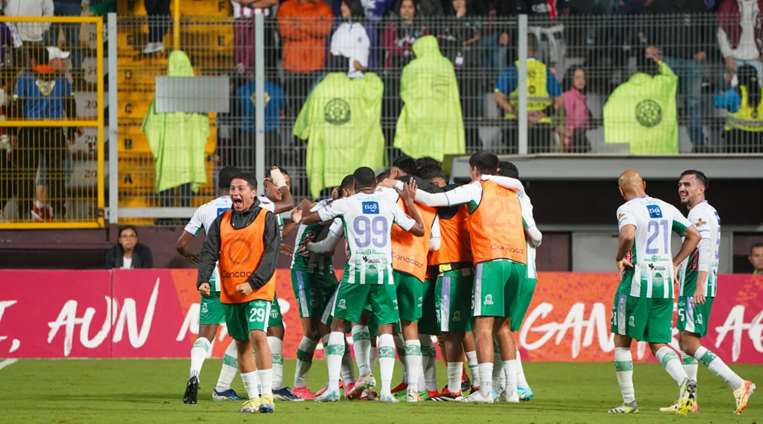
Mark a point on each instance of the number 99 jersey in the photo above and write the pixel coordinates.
(651, 254)
(368, 219)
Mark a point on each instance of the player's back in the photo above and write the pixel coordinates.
(368, 221)
(651, 254)
(206, 214)
(495, 226)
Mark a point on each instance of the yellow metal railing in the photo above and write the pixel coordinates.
(96, 219)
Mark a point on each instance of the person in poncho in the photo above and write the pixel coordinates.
(177, 141)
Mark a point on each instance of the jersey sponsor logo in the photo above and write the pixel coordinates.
(408, 260)
(236, 274)
(238, 251)
(221, 211)
(370, 208)
(654, 211)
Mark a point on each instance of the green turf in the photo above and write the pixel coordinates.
(125, 391)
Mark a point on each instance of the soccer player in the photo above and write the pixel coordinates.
(368, 216)
(245, 241)
(509, 175)
(643, 305)
(497, 242)
(409, 265)
(211, 312)
(314, 283)
(699, 284)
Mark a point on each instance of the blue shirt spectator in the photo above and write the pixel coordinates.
(274, 104)
(729, 100)
(37, 104)
(507, 82)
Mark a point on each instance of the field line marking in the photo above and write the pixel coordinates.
(6, 362)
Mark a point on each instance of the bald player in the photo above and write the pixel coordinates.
(643, 305)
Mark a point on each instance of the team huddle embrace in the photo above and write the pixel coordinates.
(428, 263)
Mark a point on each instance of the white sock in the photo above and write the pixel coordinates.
(386, 362)
(305, 352)
(499, 375)
(510, 373)
(266, 381)
(334, 353)
(361, 342)
(624, 372)
(718, 367)
(199, 352)
(672, 365)
(486, 379)
(429, 358)
(347, 371)
(471, 358)
(276, 351)
(229, 368)
(521, 380)
(251, 384)
(413, 363)
(455, 370)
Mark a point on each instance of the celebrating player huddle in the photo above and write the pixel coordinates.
(427, 261)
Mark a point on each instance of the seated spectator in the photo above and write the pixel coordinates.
(43, 93)
(243, 32)
(576, 112)
(304, 26)
(740, 32)
(400, 34)
(744, 125)
(128, 253)
(158, 12)
(350, 43)
(544, 98)
(756, 258)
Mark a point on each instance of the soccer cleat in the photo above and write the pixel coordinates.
(673, 409)
(465, 383)
(369, 394)
(191, 395)
(229, 394)
(328, 396)
(447, 396)
(525, 393)
(251, 406)
(387, 397)
(477, 397)
(626, 408)
(362, 384)
(399, 388)
(742, 395)
(285, 394)
(510, 397)
(430, 394)
(303, 392)
(266, 405)
(686, 397)
(413, 396)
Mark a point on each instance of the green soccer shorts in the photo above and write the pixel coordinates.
(453, 300)
(693, 317)
(313, 291)
(641, 318)
(428, 321)
(521, 302)
(496, 284)
(211, 311)
(243, 318)
(352, 298)
(410, 295)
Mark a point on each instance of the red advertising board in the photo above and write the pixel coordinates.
(154, 314)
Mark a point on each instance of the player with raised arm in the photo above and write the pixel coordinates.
(509, 177)
(498, 251)
(211, 312)
(368, 216)
(245, 241)
(699, 283)
(643, 305)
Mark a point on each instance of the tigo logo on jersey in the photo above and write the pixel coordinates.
(370, 208)
(654, 211)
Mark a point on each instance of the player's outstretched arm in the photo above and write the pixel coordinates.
(408, 194)
(459, 195)
(512, 184)
(181, 245)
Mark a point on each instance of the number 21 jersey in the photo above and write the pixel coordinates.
(651, 254)
(368, 220)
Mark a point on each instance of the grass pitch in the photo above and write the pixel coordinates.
(128, 391)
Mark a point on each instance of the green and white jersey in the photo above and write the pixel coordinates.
(707, 254)
(651, 254)
(203, 217)
(368, 220)
(528, 220)
(303, 259)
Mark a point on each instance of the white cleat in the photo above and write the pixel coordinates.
(388, 398)
(477, 397)
(742, 396)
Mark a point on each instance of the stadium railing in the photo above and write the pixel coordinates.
(52, 128)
